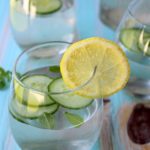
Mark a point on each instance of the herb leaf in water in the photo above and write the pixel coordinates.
(55, 69)
(74, 119)
(47, 121)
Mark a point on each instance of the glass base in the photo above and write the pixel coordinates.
(139, 87)
(12, 145)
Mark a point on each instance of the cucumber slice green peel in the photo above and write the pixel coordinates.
(136, 40)
(31, 97)
(24, 111)
(144, 43)
(69, 100)
(16, 116)
(43, 7)
(19, 109)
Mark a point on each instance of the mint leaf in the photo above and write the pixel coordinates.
(5, 77)
(55, 69)
(74, 119)
(2, 82)
(47, 121)
(2, 72)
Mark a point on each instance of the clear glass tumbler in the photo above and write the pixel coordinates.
(111, 11)
(37, 21)
(133, 35)
(39, 122)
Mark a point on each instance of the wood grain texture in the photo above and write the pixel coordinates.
(105, 137)
(123, 117)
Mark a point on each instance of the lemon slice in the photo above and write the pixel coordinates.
(80, 59)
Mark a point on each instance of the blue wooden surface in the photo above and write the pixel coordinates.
(88, 25)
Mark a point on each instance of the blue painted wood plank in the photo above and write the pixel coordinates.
(86, 11)
(4, 11)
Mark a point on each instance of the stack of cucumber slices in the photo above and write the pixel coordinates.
(33, 104)
(136, 40)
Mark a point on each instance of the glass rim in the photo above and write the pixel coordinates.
(15, 76)
(129, 10)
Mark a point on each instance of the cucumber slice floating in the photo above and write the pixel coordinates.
(22, 110)
(16, 116)
(130, 38)
(69, 100)
(45, 6)
(31, 97)
(144, 43)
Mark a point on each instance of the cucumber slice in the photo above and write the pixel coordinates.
(16, 116)
(69, 100)
(144, 43)
(45, 6)
(24, 111)
(130, 38)
(31, 97)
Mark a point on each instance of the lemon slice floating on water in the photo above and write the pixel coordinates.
(80, 59)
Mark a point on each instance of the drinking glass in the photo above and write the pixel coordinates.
(37, 21)
(111, 11)
(133, 35)
(38, 123)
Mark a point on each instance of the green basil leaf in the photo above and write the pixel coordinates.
(55, 69)
(74, 119)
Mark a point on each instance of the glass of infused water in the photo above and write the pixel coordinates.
(133, 35)
(44, 113)
(38, 21)
(132, 128)
(57, 90)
